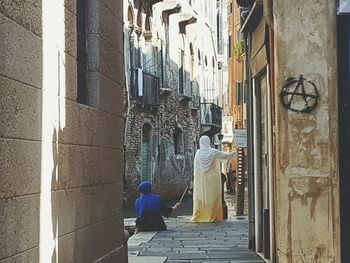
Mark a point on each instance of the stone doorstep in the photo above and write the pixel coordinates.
(141, 259)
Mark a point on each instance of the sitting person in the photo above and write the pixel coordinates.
(150, 209)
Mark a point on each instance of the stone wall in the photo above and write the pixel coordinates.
(170, 173)
(60, 161)
(307, 196)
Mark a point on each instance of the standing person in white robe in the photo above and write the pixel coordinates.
(207, 203)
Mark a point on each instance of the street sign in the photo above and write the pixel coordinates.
(240, 138)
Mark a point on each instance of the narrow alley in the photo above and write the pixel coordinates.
(113, 110)
(185, 241)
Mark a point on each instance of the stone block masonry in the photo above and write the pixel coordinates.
(60, 161)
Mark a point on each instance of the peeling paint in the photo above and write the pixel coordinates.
(307, 197)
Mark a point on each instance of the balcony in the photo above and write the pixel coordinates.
(211, 118)
(195, 105)
(245, 3)
(144, 87)
(254, 16)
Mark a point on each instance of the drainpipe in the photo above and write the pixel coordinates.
(268, 16)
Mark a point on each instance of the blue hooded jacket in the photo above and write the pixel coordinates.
(147, 201)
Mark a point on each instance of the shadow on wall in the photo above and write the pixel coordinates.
(59, 173)
(20, 131)
(81, 215)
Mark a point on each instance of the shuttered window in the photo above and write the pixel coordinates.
(181, 72)
(239, 93)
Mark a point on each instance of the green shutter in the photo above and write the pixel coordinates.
(145, 151)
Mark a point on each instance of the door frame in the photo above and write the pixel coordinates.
(343, 37)
(258, 166)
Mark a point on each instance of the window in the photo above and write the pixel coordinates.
(82, 90)
(178, 142)
(161, 61)
(245, 91)
(229, 46)
(130, 16)
(239, 93)
(191, 49)
(148, 24)
(231, 8)
(192, 61)
(181, 72)
(139, 21)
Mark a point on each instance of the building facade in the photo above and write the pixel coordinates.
(223, 50)
(61, 79)
(171, 72)
(295, 121)
(237, 91)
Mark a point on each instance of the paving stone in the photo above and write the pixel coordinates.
(188, 256)
(134, 259)
(159, 249)
(177, 261)
(133, 253)
(231, 255)
(189, 242)
(186, 249)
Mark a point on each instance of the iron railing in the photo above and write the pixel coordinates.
(211, 114)
(144, 87)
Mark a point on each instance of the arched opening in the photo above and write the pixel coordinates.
(130, 15)
(191, 61)
(178, 141)
(139, 21)
(148, 33)
(148, 24)
(146, 152)
(206, 61)
(199, 57)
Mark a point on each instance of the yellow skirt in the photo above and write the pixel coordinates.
(211, 212)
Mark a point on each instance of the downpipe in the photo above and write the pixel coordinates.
(268, 15)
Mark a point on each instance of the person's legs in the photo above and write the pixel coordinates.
(229, 182)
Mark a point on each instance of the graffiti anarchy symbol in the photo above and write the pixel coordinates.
(299, 95)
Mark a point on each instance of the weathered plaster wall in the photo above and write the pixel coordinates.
(307, 205)
(60, 161)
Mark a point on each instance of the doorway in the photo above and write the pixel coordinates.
(343, 30)
(262, 165)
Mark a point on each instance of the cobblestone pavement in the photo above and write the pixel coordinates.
(193, 242)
